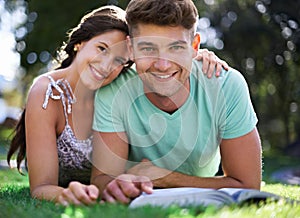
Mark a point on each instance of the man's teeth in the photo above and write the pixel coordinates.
(164, 76)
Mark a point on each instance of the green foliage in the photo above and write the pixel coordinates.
(275, 161)
(263, 43)
(52, 23)
(48, 24)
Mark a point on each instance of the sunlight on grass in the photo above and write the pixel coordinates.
(288, 191)
(76, 213)
(259, 211)
(12, 176)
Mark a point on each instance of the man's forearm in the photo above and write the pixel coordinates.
(176, 179)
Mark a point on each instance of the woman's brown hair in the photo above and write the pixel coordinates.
(98, 21)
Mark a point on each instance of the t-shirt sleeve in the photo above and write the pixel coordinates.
(237, 113)
(107, 117)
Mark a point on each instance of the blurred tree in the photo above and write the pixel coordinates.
(262, 39)
(47, 26)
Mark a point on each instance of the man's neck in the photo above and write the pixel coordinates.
(170, 104)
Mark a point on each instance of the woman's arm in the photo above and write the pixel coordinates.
(41, 134)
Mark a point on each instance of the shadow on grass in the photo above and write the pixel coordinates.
(276, 162)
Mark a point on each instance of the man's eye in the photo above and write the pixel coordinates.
(177, 48)
(147, 49)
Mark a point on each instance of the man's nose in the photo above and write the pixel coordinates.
(162, 64)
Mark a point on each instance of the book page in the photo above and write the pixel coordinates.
(183, 197)
(246, 195)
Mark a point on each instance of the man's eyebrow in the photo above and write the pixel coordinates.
(143, 43)
(178, 42)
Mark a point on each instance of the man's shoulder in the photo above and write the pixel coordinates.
(124, 77)
(126, 85)
(128, 76)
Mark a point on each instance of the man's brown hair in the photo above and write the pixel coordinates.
(161, 12)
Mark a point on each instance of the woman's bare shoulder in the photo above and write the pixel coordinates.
(37, 91)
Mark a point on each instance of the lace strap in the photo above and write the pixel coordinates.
(63, 87)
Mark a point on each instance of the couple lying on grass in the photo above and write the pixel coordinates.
(165, 121)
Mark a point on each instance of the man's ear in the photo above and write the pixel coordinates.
(196, 43)
(130, 48)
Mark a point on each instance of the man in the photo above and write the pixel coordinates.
(170, 122)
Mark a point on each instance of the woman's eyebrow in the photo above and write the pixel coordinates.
(103, 43)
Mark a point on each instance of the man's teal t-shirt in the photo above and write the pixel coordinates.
(187, 140)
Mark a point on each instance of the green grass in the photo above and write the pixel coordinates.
(15, 201)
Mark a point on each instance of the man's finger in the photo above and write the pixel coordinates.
(115, 190)
(107, 197)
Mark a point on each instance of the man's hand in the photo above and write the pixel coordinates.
(211, 63)
(126, 187)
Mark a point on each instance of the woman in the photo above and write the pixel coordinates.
(57, 137)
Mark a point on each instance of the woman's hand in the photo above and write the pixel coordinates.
(211, 63)
(78, 194)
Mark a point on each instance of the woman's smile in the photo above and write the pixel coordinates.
(97, 74)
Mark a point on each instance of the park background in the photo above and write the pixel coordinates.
(259, 38)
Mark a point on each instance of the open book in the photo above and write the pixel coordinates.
(201, 196)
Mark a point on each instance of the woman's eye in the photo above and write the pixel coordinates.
(102, 49)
